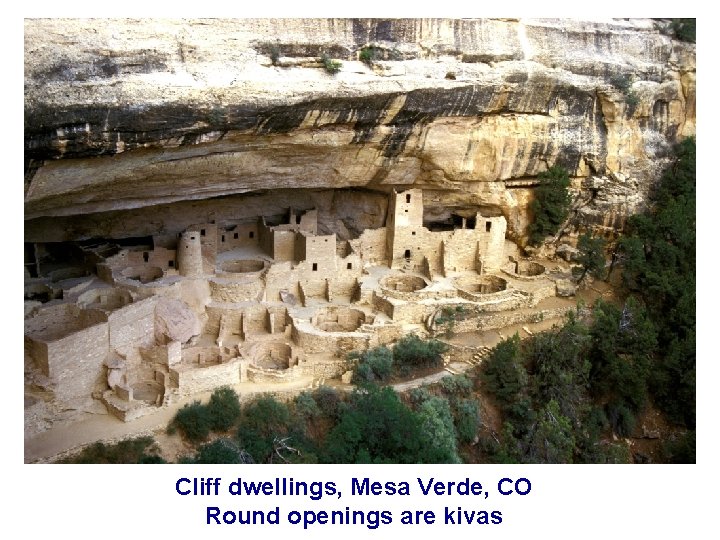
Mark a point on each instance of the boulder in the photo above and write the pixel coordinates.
(175, 321)
(565, 287)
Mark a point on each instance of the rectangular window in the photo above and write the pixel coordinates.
(407, 198)
(488, 226)
(146, 256)
(222, 238)
(202, 232)
(252, 234)
(413, 233)
(314, 267)
(171, 264)
(349, 266)
(407, 253)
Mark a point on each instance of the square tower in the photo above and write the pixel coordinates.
(404, 227)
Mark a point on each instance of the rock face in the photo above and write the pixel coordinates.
(137, 123)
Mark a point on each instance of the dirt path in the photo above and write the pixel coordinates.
(61, 438)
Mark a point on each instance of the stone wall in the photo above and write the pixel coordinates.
(191, 380)
(237, 236)
(224, 290)
(371, 246)
(133, 326)
(76, 362)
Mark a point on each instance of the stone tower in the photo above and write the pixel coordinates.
(189, 254)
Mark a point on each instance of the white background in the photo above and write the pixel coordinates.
(570, 501)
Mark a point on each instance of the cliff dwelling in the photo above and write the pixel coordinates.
(265, 299)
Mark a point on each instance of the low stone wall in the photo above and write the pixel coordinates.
(259, 375)
(232, 291)
(192, 379)
(313, 340)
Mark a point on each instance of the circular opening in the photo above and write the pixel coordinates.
(339, 319)
(143, 274)
(529, 268)
(106, 299)
(272, 356)
(242, 266)
(403, 283)
(483, 285)
(148, 392)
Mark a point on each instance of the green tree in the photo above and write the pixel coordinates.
(222, 450)
(503, 373)
(263, 422)
(591, 257)
(551, 204)
(194, 421)
(224, 408)
(467, 419)
(659, 265)
(374, 365)
(440, 439)
(413, 351)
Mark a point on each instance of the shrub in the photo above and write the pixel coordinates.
(330, 65)
(263, 420)
(413, 351)
(456, 385)
(551, 204)
(591, 258)
(224, 408)
(370, 54)
(306, 406)
(683, 29)
(128, 451)
(194, 421)
(328, 400)
(467, 419)
(621, 419)
(374, 365)
(222, 450)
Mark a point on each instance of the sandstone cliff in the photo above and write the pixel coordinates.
(136, 127)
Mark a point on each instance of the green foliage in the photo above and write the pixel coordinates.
(622, 81)
(306, 406)
(369, 54)
(262, 422)
(328, 401)
(221, 450)
(659, 264)
(553, 440)
(467, 419)
(456, 385)
(274, 54)
(551, 204)
(374, 365)
(436, 423)
(194, 421)
(375, 427)
(622, 345)
(621, 419)
(683, 29)
(559, 367)
(413, 351)
(137, 450)
(216, 116)
(330, 65)
(591, 257)
(224, 408)
(503, 374)
(681, 449)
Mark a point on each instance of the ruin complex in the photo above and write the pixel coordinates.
(137, 326)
